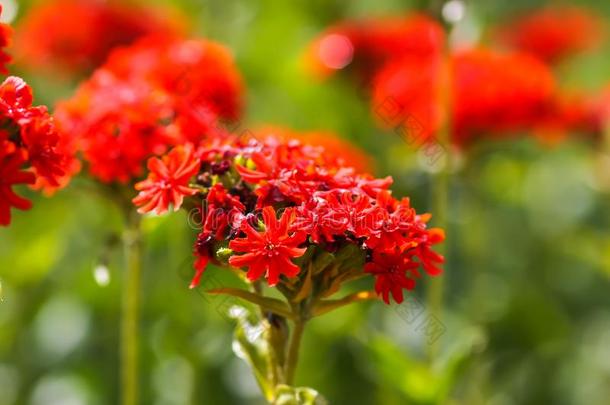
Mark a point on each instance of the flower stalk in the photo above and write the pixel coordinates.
(293, 350)
(440, 191)
(130, 310)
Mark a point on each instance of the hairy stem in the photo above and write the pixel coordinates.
(130, 311)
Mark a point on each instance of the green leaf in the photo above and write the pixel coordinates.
(249, 345)
(420, 381)
(286, 395)
(266, 303)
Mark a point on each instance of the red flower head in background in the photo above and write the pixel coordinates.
(77, 35)
(319, 219)
(570, 113)
(492, 93)
(344, 153)
(5, 36)
(497, 93)
(154, 94)
(366, 45)
(553, 33)
(599, 109)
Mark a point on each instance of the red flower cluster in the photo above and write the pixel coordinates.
(570, 113)
(599, 109)
(344, 153)
(5, 35)
(31, 149)
(497, 93)
(491, 92)
(553, 33)
(325, 207)
(156, 93)
(78, 35)
(365, 45)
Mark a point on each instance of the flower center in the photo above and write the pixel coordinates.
(270, 249)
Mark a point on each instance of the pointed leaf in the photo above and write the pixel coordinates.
(267, 303)
(249, 345)
(324, 306)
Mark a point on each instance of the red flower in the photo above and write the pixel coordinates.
(496, 93)
(569, 113)
(337, 151)
(368, 44)
(5, 39)
(221, 211)
(200, 265)
(391, 273)
(28, 141)
(598, 111)
(202, 255)
(553, 33)
(271, 251)
(200, 74)
(77, 35)
(10, 175)
(407, 90)
(131, 109)
(344, 212)
(168, 181)
(492, 93)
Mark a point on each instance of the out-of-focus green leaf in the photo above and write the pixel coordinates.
(420, 381)
(266, 303)
(250, 346)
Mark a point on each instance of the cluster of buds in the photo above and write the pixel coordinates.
(287, 212)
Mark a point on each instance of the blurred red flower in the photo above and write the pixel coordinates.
(156, 93)
(598, 107)
(201, 74)
(498, 93)
(77, 35)
(553, 33)
(570, 113)
(344, 152)
(492, 93)
(411, 86)
(5, 40)
(365, 45)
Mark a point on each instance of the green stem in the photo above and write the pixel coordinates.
(130, 310)
(440, 195)
(293, 350)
